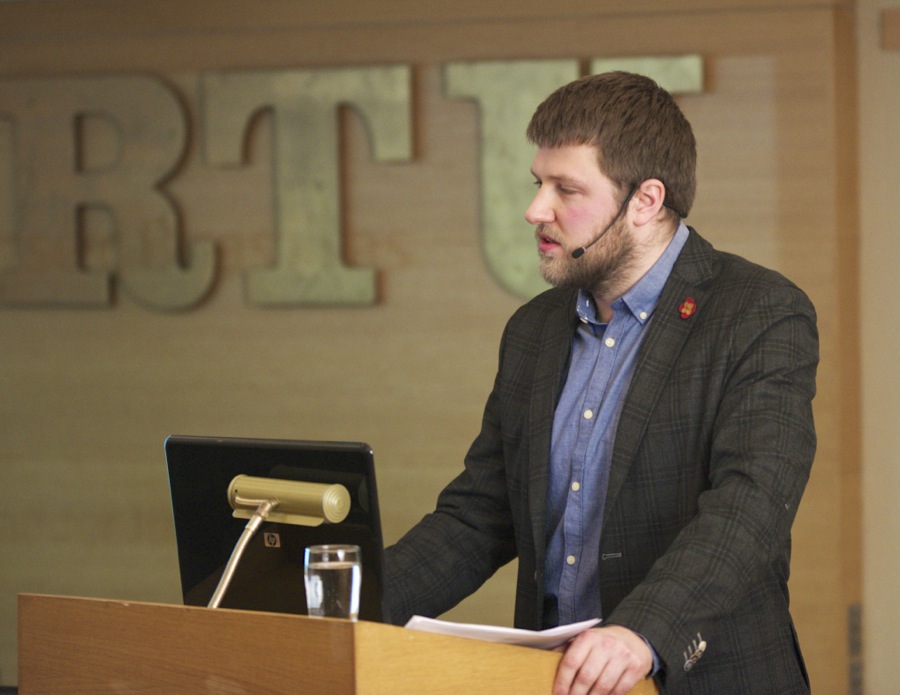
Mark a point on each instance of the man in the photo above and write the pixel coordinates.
(649, 433)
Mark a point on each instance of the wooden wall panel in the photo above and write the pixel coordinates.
(879, 59)
(890, 30)
(117, 17)
(87, 397)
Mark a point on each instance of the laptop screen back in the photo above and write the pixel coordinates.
(270, 574)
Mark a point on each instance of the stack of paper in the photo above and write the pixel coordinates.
(543, 639)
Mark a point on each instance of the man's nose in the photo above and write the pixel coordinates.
(539, 212)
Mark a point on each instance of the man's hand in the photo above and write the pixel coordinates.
(603, 661)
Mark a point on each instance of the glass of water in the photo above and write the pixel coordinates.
(332, 575)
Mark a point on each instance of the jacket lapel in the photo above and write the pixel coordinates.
(665, 339)
(555, 337)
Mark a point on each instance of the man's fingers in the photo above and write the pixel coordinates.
(602, 661)
(580, 667)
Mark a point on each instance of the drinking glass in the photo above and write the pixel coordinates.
(332, 575)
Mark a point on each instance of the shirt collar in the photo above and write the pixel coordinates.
(641, 298)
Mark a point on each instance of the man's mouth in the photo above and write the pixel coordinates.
(546, 242)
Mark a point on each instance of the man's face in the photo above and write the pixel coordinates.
(574, 204)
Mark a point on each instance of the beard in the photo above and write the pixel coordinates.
(600, 269)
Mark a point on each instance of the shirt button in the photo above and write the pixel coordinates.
(643, 315)
(576, 486)
(588, 414)
(570, 560)
(610, 342)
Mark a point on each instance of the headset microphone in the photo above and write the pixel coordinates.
(579, 252)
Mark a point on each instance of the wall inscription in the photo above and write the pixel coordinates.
(84, 162)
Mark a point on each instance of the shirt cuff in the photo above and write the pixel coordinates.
(656, 662)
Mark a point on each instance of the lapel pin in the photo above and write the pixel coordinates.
(687, 308)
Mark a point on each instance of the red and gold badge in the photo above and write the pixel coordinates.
(687, 308)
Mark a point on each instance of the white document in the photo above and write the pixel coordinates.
(543, 639)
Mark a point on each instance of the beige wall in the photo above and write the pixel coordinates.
(879, 87)
(86, 397)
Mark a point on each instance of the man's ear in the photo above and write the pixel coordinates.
(648, 201)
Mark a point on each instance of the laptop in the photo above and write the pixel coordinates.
(269, 576)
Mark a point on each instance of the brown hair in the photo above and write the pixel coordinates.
(636, 126)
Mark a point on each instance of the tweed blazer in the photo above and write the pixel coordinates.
(711, 456)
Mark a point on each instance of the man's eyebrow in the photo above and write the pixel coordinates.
(558, 178)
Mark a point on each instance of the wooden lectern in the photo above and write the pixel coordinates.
(77, 645)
